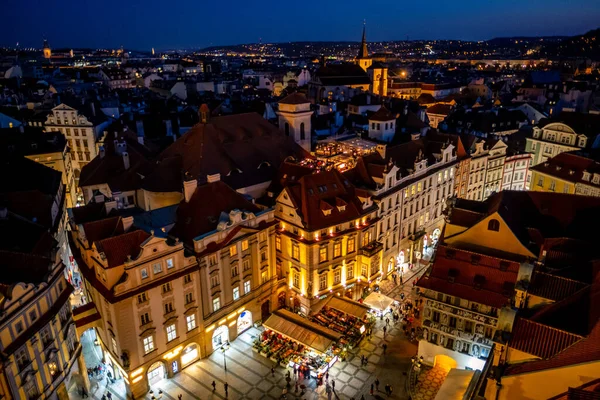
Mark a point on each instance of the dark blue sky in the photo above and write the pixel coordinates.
(138, 24)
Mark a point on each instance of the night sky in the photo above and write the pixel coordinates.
(163, 24)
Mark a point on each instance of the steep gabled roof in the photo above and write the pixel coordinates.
(118, 248)
(318, 192)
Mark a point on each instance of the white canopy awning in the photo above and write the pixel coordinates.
(378, 301)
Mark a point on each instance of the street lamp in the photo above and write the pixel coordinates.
(224, 348)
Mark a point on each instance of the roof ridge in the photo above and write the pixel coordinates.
(561, 277)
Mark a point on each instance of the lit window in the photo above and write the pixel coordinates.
(190, 321)
(216, 304)
(297, 280)
(323, 254)
(323, 282)
(244, 245)
(170, 263)
(265, 277)
(262, 236)
(236, 293)
(351, 244)
(148, 344)
(171, 332)
(246, 287)
(337, 277)
(350, 272)
(144, 273)
(232, 251)
(337, 249)
(295, 251)
(114, 345)
(278, 242)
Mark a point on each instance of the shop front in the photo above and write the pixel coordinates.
(347, 317)
(220, 336)
(156, 373)
(291, 340)
(190, 354)
(244, 321)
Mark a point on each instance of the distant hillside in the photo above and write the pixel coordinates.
(583, 46)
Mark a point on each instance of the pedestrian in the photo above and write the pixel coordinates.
(214, 385)
(109, 395)
(327, 376)
(414, 283)
(179, 396)
(296, 387)
(387, 321)
(272, 372)
(384, 348)
(366, 360)
(363, 396)
(401, 279)
(226, 385)
(371, 389)
(384, 330)
(391, 390)
(333, 384)
(377, 383)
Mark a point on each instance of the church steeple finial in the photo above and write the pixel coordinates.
(363, 52)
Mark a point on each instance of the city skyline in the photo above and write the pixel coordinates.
(434, 21)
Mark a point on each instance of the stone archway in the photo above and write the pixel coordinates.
(220, 336)
(156, 373)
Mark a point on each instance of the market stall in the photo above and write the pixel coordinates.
(344, 316)
(379, 302)
(292, 340)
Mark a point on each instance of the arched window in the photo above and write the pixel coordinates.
(493, 225)
(287, 129)
(302, 135)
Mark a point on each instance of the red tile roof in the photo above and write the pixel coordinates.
(313, 190)
(294, 98)
(383, 114)
(117, 248)
(570, 167)
(202, 213)
(497, 277)
(540, 340)
(580, 314)
(102, 229)
(553, 287)
(244, 148)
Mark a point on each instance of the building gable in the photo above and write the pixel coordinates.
(483, 234)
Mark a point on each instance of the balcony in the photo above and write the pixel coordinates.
(371, 249)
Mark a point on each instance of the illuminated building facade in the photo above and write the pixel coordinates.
(326, 242)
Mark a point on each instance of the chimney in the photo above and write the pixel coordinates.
(213, 178)
(126, 160)
(204, 113)
(189, 187)
(169, 127)
(127, 223)
(102, 151)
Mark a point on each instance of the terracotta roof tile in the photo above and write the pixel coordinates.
(540, 340)
(102, 229)
(118, 248)
(475, 277)
(553, 287)
(294, 98)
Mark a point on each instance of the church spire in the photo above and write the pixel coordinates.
(363, 52)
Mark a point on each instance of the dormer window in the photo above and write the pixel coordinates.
(494, 225)
(586, 176)
(452, 275)
(596, 179)
(478, 281)
(475, 259)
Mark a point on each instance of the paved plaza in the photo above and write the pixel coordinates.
(249, 374)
